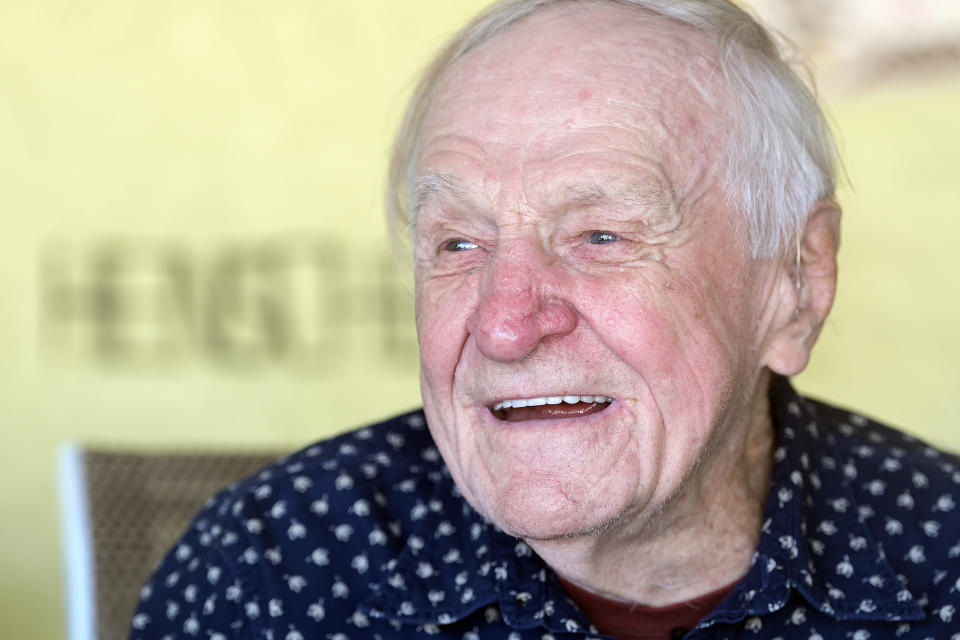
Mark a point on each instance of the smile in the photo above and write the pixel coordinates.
(549, 407)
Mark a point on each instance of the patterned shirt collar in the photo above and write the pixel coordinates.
(813, 541)
(426, 587)
(813, 538)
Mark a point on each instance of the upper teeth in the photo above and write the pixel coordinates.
(536, 402)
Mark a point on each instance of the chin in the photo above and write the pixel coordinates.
(532, 513)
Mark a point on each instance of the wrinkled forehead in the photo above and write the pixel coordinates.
(585, 64)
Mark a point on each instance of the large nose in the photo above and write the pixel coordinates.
(522, 303)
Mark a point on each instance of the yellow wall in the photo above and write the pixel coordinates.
(192, 249)
(892, 344)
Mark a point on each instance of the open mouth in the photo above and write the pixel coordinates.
(549, 407)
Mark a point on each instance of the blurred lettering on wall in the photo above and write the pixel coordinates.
(298, 303)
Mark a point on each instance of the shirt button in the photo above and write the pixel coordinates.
(677, 633)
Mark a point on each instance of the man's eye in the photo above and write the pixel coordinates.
(602, 237)
(459, 244)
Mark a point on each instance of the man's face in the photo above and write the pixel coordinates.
(573, 242)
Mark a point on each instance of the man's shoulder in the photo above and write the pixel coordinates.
(353, 497)
(394, 455)
(873, 451)
(301, 539)
(905, 492)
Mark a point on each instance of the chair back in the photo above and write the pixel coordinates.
(122, 511)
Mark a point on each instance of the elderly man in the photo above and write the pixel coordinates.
(624, 240)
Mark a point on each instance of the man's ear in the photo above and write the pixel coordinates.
(805, 288)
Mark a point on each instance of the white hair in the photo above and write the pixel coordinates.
(780, 158)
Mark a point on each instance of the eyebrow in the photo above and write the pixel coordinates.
(442, 184)
(645, 193)
(584, 195)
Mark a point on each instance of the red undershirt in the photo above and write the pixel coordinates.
(628, 621)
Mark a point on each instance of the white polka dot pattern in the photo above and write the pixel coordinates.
(366, 536)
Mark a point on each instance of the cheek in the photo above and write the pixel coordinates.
(635, 317)
(442, 312)
(682, 336)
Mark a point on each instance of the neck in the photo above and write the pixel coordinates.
(703, 539)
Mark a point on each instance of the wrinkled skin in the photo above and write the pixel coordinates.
(573, 237)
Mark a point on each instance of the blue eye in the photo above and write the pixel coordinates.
(459, 244)
(602, 237)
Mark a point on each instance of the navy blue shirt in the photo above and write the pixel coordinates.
(366, 536)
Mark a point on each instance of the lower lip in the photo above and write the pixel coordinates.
(550, 412)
